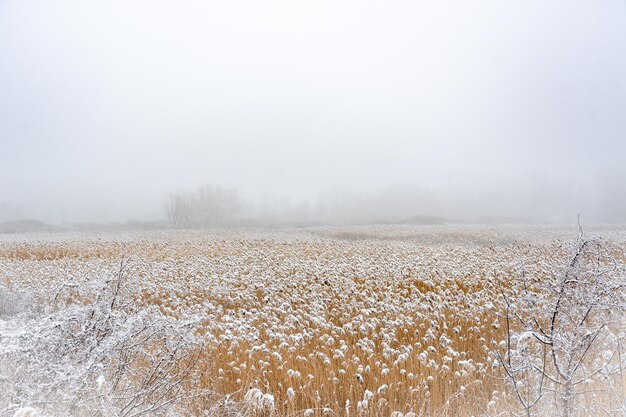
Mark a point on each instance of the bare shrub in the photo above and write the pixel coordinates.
(104, 357)
(564, 349)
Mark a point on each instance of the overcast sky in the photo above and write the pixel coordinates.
(106, 106)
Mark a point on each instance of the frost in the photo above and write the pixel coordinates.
(244, 323)
(26, 412)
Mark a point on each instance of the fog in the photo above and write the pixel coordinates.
(326, 111)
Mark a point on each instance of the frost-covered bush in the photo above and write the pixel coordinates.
(100, 358)
(13, 302)
(565, 348)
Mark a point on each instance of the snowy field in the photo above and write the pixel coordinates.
(356, 321)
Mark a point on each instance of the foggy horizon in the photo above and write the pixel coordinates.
(505, 110)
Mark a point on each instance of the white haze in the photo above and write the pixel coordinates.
(513, 109)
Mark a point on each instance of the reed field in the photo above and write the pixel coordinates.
(353, 321)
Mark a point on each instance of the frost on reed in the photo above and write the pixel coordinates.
(255, 402)
(372, 321)
(25, 412)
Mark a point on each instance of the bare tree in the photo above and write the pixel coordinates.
(214, 204)
(208, 204)
(177, 208)
(564, 335)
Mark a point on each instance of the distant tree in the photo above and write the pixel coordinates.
(208, 204)
(8, 212)
(228, 203)
(177, 208)
(215, 204)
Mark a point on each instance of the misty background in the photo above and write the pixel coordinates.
(326, 111)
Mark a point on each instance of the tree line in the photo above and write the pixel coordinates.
(206, 205)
